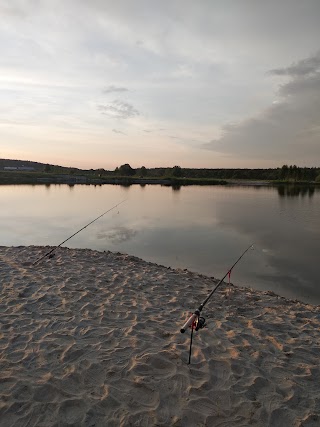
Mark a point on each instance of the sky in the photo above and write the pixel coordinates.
(203, 84)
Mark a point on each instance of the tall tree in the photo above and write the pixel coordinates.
(143, 171)
(176, 171)
(126, 170)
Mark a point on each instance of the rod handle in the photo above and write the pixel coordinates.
(188, 322)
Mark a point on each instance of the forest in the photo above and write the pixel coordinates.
(285, 173)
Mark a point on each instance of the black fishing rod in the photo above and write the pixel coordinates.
(56, 247)
(195, 320)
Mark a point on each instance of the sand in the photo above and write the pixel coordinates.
(92, 338)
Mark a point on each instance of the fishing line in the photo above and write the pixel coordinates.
(87, 225)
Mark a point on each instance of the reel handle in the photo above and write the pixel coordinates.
(190, 321)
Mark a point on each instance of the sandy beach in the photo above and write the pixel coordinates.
(93, 338)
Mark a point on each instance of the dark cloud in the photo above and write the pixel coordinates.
(118, 131)
(287, 131)
(119, 110)
(112, 88)
(301, 68)
(19, 10)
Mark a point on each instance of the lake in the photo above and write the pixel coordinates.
(201, 228)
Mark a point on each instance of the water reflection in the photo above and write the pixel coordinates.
(288, 233)
(295, 190)
(117, 235)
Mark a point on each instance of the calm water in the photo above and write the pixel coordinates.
(203, 229)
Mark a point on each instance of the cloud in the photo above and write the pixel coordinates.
(118, 131)
(112, 88)
(118, 110)
(301, 68)
(286, 132)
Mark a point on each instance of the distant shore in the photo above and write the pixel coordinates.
(7, 178)
(29, 172)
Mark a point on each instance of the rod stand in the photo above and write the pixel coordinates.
(190, 348)
(198, 323)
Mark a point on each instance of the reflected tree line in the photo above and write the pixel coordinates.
(296, 190)
(284, 190)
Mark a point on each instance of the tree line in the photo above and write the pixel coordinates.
(285, 173)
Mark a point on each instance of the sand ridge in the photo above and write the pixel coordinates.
(92, 338)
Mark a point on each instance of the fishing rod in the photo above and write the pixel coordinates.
(196, 321)
(50, 253)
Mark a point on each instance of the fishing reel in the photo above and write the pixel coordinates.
(195, 322)
(200, 323)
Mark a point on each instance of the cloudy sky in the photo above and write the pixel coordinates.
(207, 83)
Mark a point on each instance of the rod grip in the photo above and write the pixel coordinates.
(188, 322)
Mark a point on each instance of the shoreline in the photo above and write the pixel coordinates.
(92, 338)
(33, 178)
(198, 274)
